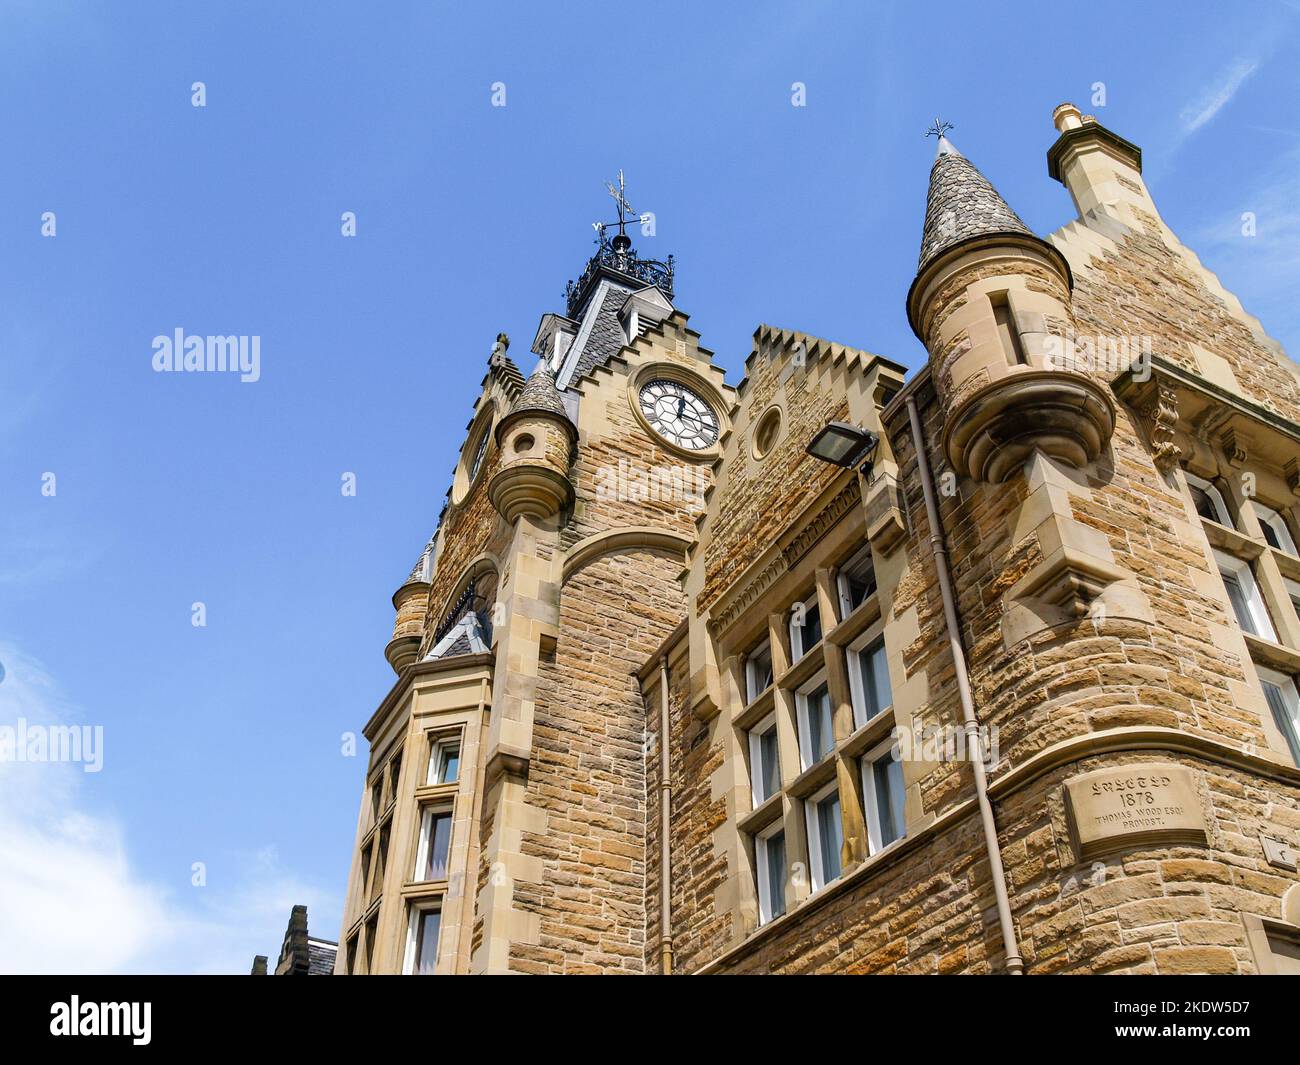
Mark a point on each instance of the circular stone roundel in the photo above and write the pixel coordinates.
(679, 414)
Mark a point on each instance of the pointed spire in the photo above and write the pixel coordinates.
(946, 147)
(961, 205)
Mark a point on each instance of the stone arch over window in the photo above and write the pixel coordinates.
(465, 622)
(619, 541)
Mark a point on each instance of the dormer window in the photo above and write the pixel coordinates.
(642, 311)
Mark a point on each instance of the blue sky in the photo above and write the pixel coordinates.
(222, 742)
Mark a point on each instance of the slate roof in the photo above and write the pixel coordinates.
(420, 571)
(961, 205)
(607, 335)
(320, 957)
(539, 393)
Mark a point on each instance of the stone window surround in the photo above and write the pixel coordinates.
(434, 740)
(1264, 934)
(761, 839)
(1290, 692)
(841, 577)
(752, 691)
(756, 732)
(415, 910)
(812, 806)
(1240, 570)
(867, 763)
(809, 604)
(369, 867)
(1216, 498)
(859, 650)
(480, 433)
(429, 811)
(1277, 524)
(808, 757)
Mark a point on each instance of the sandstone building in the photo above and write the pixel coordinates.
(1011, 690)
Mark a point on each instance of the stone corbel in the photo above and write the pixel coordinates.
(883, 506)
(1161, 412)
(1075, 575)
(1292, 473)
(1236, 447)
(1156, 402)
(1067, 586)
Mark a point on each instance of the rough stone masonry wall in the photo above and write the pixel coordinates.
(700, 927)
(758, 499)
(470, 528)
(588, 769)
(1144, 288)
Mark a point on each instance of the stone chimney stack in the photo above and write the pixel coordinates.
(1101, 169)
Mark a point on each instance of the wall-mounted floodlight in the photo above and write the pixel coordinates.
(843, 444)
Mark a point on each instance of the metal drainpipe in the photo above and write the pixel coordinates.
(939, 547)
(665, 800)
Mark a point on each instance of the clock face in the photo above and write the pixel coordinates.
(679, 415)
(478, 455)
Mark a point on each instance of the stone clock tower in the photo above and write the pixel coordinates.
(554, 572)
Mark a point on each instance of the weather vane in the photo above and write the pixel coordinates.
(939, 128)
(625, 210)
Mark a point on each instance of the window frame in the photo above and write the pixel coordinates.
(1286, 684)
(427, 837)
(1243, 573)
(762, 840)
(857, 690)
(392, 778)
(1274, 520)
(797, 648)
(378, 866)
(752, 691)
(1293, 594)
(812, 813)
(842, 579)
(871, 806)
(756, 734)
(418, 911)
(438, 745)
(803, 721)
(370, 929)
(1217, 501)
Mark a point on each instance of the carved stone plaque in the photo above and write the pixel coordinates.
(1133, 805)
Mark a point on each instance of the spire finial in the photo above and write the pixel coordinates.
(625, 212)
(939, 128)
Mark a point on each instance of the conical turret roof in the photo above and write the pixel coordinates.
(961, 205)
(539, 393)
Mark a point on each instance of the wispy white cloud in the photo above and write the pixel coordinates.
(1255, 246)
(1218, 95)
(71, 898)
